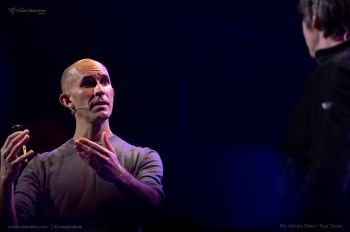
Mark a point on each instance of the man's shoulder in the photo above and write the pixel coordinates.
(123, 145)
(68, 145)
(129, 151)
(51, 159)
(334, 72)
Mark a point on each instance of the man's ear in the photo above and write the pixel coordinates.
(66, 101)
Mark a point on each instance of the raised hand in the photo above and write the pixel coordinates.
(10, 161)
(103, 160)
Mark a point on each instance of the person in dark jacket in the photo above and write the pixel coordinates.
(318, 139)
(316, 181)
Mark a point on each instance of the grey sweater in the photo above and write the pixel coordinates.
(58, 189)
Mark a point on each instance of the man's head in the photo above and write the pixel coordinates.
(87, 90)
(328, 18)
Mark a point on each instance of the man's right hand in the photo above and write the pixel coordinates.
(10, 161)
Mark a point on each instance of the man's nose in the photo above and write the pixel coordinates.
(99, 90)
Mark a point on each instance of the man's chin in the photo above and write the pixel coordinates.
(101, 116)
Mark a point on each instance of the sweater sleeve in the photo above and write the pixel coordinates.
(150, 170)
(26, 193)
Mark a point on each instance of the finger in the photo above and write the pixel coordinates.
(80, 147)
(23, 157)
(93, 145)
(106, 142)
(83, 154)
(90, 160)
(16, 148)
(16, 139)
(86, 151)
(10, 137)
(13, 139)
(87, 155)
(84, 157)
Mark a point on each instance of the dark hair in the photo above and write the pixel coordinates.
(333, 15)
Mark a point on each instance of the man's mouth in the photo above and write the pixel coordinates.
(99, 103)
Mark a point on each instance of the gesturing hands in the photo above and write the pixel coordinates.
(107, 166)
(103, 160)
(10, 160)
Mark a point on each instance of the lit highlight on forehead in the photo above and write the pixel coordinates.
(88, 67)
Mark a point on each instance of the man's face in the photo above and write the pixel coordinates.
(91, 91)
(310, 36)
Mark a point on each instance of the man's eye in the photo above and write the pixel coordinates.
(88, 84)
(104, 82)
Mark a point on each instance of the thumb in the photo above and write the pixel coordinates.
(106, 143)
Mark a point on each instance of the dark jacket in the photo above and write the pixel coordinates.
(316, 188)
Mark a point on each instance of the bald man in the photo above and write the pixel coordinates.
(95, 181)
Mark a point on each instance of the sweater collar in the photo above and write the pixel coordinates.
(325, 54)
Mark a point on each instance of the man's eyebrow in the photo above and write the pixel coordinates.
(104, 76)
(87, 77)
(94, 76)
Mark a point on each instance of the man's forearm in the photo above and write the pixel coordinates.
(7, 206)
(130, 185)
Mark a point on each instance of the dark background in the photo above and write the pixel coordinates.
(210, 85)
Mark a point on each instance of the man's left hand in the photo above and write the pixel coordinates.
(103, 159)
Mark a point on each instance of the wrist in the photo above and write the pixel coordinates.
(6, 185)
(121, 175)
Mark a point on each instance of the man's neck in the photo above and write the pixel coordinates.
(328, 43)
(92, 131)
(325, 43)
